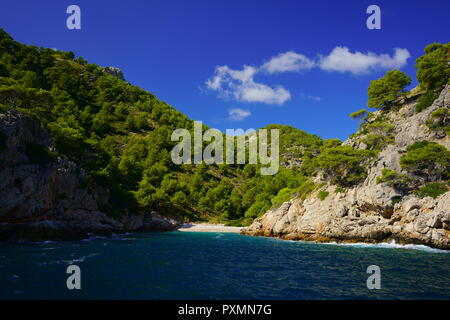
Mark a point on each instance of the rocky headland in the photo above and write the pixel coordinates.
(44, 196)
(371, 211)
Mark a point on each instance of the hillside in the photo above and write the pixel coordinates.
(115, 138)
(404, 195)
(84, 151)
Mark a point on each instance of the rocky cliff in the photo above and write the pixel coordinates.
(44, 196)
(367, 212)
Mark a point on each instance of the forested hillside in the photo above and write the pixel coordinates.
(121, 136)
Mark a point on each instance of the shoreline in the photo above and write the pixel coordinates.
(208, 227)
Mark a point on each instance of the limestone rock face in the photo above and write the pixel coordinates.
(366, 213)
(342, 218)
(114, 71)
(42, 195)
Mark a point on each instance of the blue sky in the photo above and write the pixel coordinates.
(172, 49)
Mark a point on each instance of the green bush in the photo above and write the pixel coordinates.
(428, 160)
(439, 120)
(383, 91)
(396, 199)
(340, 190)
(433, 69)
(283, 195)
(433, 190)
(38, 154)
(343, 165)
(391, 177)
(323, 194)
(426, 100)
(361, 115)
(400, 182)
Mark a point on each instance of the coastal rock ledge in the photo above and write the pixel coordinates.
(346, 218)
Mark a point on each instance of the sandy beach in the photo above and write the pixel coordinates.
(208, 227)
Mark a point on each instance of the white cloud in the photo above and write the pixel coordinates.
(288, 62)
(307, 97)
(240, 85)
(238, 114)
(342, 60)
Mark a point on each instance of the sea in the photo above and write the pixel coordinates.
(210, 265)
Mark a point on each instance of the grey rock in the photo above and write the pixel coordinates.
(114, 71)
(46, 200)
(365, 212)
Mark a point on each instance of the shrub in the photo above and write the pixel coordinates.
(439, 120)
(428, 160)
(400, 182)
(343, 165)
(323, 194)
(426, 100)
(340, 190)
(396, 199)
(378, 133)
(433, 69)
(388, 88)
(433, 190)
(39, 154)
(361, 115)
(283, 195)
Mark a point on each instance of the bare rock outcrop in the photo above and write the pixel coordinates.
(44, 196)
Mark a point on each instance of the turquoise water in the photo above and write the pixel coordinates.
(179, 265)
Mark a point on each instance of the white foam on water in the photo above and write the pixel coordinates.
(69, 261)
(81, 259)
(114, 236)
(389, 245)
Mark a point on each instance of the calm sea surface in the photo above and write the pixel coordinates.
(180, 265)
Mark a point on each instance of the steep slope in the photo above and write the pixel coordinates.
(374, 210)
(116, 139)
(45, 196)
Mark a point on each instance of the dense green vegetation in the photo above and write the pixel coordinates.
(400, 182)
(426, 100)
(439, 120)
(39, 154)
(427, 160)
(385, 90)
(433, 69)
(323, 194)
(361, 115)
(433, 73)
(343, 165)
(434, 190)
(121, 136)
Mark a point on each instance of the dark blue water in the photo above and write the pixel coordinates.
(218, 266)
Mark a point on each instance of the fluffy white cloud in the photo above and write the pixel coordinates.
(237, 114)
(342, 60)
(240, 85)
(288, 62)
